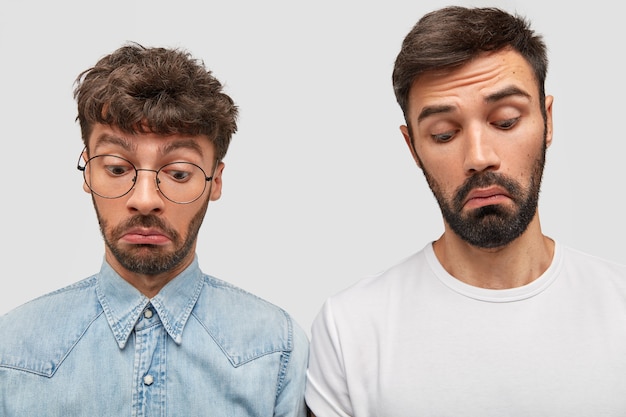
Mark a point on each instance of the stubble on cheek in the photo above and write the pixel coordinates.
(145, 258)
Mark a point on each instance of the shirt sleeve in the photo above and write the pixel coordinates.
(326, 390)
(290, 398)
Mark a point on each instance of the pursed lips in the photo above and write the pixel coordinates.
(486, 196)
(151, 236)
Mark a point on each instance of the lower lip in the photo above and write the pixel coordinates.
(478, 202)
(138, 239)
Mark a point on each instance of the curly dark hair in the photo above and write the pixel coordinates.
(157, 90)
(451, 36)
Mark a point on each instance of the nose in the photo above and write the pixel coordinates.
(480, 153)
(145, 196)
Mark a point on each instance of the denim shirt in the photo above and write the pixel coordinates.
(201, 347)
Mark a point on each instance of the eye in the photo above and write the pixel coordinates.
(118, 169)
(443, 137)
(441, 129)
(180, 171)
(179, 175)
(506, 124)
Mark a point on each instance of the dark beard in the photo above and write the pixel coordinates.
(151, 259)
(491, 226)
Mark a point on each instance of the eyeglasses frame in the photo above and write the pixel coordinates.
(156, 178)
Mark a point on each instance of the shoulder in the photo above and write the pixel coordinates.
(394, 280)
(574, 258)
(375, 299)
(245, 325)
(40, 332)
(585, 265)
(44, 308)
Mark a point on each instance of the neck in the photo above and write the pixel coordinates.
(513, 265)
(148, 284)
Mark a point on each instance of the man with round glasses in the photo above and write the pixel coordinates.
(150, 334)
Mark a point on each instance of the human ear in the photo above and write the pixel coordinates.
(85, 158)
(549, 101)
(409, 141)
(216, 186)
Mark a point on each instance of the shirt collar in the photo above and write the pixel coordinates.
(123, 304)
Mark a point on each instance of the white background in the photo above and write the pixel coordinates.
(319, 187)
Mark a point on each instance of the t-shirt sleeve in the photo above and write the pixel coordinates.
(326, 389)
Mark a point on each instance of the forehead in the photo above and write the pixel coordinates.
(481, 77)
(107, 138)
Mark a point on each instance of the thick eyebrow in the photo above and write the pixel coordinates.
(430, 110)
(491, 98)
(182, 144)
(507, 92)
(108, 139)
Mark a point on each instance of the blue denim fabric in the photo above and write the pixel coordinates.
(200, 347)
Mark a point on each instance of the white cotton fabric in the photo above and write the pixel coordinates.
(415, 341)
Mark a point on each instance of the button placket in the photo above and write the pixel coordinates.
(149, 367)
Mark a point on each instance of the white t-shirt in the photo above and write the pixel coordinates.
(415, 341)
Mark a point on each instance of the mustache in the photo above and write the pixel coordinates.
(486, 179)
(148, 221)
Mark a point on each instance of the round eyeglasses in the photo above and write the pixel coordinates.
(111, 176)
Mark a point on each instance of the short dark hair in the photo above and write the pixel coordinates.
(452, 36)
(158, 90)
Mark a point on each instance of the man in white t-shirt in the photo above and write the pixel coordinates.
(493, 318)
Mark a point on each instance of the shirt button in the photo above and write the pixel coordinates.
(148, 379)
(147, 313)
